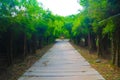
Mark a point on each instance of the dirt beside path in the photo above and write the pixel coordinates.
(105, 68)
(15, 71)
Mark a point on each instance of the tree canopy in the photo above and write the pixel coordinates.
(25, 26)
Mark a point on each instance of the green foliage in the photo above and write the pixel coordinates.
(84, 3)
(28, 17)
(94, 14)
(110, 27)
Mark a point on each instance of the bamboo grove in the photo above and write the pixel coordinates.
(25, 27)
(98, 27)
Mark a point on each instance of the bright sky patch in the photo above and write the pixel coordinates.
(62, 7)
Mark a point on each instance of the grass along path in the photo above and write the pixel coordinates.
(104, 67)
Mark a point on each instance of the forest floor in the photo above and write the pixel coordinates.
(105, 68)
(15, 71)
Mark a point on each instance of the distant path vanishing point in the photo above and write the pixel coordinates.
(61, 62)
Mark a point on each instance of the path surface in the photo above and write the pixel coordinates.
(61, 62)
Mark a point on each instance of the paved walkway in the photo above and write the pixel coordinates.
(61, 62)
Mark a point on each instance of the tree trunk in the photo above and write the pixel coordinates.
(93, 42)
(116, 48)
(34, 43)
(86, 41)
(99, 50)
(41, 42)
(89, 41)
(29, 46)
(10, 48)
(24, 46)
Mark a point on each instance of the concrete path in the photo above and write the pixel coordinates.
(61, 62)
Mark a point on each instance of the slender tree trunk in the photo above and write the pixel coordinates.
(29, 46)
(99, 50)
(48, 40)
(89, 41)
(10, 48)
(93, 42)
(24, 46)
(116, 48)
(34, 43)
(41, 42)
(86, 41)
(113, 51)
(78, 40)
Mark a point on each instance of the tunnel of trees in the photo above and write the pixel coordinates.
(25, 27)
